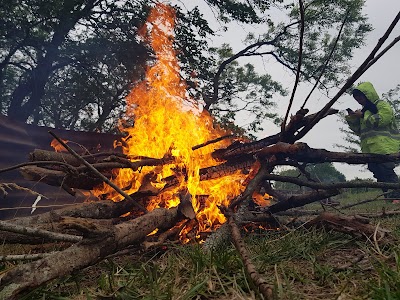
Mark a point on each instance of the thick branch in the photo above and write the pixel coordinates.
(22, 278)
(5, 226)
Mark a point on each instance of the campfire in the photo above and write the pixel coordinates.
(168, 124)
(175, 173)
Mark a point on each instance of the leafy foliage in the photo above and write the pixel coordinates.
(70, 64)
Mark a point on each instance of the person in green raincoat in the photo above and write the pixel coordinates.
(375, 125)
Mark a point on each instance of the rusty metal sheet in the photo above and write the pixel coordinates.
(17, 140)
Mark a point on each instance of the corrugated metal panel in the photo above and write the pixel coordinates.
(17, 140)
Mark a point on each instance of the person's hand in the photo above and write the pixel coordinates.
(358, 113)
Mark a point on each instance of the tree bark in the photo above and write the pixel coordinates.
(88, 252)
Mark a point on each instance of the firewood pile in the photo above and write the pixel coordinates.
(137, 199)
(94, 230)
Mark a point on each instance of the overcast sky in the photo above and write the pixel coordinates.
(384, 75)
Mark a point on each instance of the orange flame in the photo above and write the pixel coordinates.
(57, 146)
(166, 121)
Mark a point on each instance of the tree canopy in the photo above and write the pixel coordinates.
(69, 64)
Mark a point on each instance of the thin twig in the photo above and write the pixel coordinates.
(380, 54)
(17, 257)
(327, 60)
(361, 202)
(241, 53)
(213, 141)
(97, 173)
(13, 186)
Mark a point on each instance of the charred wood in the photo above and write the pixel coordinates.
(301, 200)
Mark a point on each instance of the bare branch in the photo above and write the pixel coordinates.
(18, 257)
(327, 59)
(296, 82)
(361, 69)
(260, 282)
(241, 53)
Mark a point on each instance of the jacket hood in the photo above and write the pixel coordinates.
(369, 91)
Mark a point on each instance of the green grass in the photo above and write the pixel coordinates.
(298, 263)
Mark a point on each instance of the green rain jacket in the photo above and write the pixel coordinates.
(378, 132)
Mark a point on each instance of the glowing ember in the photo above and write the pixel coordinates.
(167, 122)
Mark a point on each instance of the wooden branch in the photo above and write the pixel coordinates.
(78, 180)
(241, 53)
(25, 277)
(349, 225)
(361, 69)
(45, 155)
(263, 286)
(164, 236)
(331, 186)
(361, 202)
(383, 214)
(5, 226)
(251, 187)
(300, 57)
(301, 200)
(19, 257)
(81, 227)
(41, 163)
(213, 141)
(327, 59)
(298, 121)
(97, 173)
(103, 209)
(380, 54)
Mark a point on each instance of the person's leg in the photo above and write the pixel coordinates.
(384, 172)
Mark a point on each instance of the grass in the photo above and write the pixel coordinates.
(299, 264)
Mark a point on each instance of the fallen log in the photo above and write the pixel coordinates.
(350, 225)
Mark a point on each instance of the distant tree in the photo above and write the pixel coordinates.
(71, 63)
(324, 61)
(62, 61)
